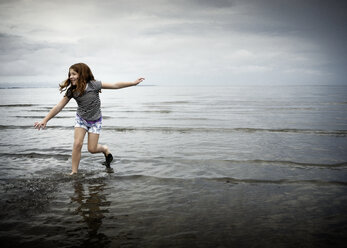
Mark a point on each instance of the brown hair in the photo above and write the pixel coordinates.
(84, 76)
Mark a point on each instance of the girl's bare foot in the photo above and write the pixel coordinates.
(73, 173)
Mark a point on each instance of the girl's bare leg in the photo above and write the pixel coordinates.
(77, 147)
(94, 146)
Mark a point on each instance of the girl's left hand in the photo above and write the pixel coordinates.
(139, 80)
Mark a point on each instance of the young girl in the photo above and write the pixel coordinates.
(82, 86)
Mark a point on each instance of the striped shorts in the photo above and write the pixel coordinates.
(90, 126)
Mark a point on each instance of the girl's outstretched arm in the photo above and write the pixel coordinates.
(53, 112)
(120, 85)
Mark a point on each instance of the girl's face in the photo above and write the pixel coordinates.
(73, 76)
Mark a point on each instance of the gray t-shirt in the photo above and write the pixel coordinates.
(89, 102)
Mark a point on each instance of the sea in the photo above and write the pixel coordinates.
(235, 166)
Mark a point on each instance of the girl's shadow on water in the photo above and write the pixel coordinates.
(91, 205)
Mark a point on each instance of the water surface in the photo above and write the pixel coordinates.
(245, 166)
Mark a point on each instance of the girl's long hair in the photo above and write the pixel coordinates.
(84, 76)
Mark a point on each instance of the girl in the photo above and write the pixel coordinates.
(82, 86)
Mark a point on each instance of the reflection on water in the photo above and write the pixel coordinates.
(140, 211)
(91, 205)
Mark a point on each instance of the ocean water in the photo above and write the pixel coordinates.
(238, 166)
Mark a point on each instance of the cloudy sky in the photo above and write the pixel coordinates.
(183, 42)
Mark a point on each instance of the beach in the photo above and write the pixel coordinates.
(237, 166)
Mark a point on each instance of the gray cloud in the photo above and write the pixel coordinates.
(204, 42)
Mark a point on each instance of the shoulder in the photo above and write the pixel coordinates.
(95, 84)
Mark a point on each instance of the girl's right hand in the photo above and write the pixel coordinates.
(40, 124)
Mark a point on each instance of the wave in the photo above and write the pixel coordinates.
(36, 155)
(238, 162)
(198, 129)
(262, 162)
(187, 161)
(65, 108)
(166, 103)
(228, 130)
(280, 181)
(4, 127)
(41, 117)
(90, 177)
(164, 111)
(46, 110)
(233, 180)
(17, 105)
(285, 162)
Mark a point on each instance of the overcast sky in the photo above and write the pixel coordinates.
(184, 42)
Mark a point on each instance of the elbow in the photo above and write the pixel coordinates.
(117, 86)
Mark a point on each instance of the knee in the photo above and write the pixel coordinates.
(92, 149)
(77, 145)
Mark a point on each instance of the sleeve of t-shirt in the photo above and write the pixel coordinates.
(69, 93)
(97, 85)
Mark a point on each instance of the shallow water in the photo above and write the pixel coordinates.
(244, 166)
